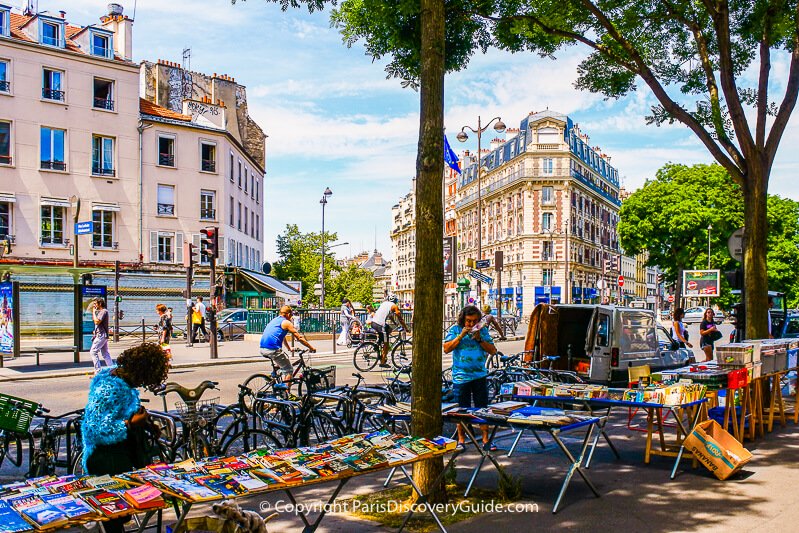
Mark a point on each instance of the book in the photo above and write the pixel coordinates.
(186, 489)
(398, 455)
(252, 484)
(366, 460)
(11, 521)
(227, 486)
(72, 506)
(42, 515)
(445, 443)
(110, 504)
(144, 497)
(104, 482)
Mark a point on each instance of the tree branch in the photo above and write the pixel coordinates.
(762, 82)
(789, 100)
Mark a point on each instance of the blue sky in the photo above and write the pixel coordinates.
(334, 120)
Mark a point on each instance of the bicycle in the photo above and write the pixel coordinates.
(44, 458)
(352, 405)
(238, 426)
(196, 416)
(368, 353)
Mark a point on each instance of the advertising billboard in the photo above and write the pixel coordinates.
(87, 295)
(450, 259)
(6, 318)
(701, 283)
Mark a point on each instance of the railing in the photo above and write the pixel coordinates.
(598, 190)
(104, 103)
(53, 94)
(100, 171)
(311, 320)
(208, 165)
(166, 209)
(166, 160)
(549, 146)
(5, 86)
(53, 165)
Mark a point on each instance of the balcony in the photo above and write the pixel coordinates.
(53, 165)
(53, 94)
(549, 146)
(100, 171)
(104, 103)
(166, 160)
(5, 86)
(208, 214)
(166, 210)
(208, 165)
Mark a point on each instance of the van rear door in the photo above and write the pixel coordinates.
(600, 337)
(637, 340)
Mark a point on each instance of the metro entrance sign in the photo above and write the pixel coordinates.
(621, 281)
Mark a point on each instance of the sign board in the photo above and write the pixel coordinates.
(735, 245)
(621, 281)
(450, 260)
(7, 318)
(479, 276)
(650, 299)
(704, 283)
(482, 263)
(671, 298)
(84, 228)
(87, 294)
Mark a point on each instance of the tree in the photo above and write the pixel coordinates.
(300, 258)
(352, 282)
(668, 218)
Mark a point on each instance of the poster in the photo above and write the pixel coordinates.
(703, 283)
(6, 318)
(87, 295)
(450, 260)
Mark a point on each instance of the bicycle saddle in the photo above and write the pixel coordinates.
(188, 395)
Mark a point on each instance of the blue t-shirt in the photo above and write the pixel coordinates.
(468, 359)
(273, 336)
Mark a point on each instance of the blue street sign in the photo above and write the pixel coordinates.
(482, 263)
(479, 276)
(84, 228)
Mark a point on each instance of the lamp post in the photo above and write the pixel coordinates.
(709, 227)
(323, 201)
(499, 127)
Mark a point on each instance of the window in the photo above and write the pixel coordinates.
(231, 167)
(547, 277)
(252, 224)
(5, 220)
(166, 200)
(603, 330)
(51, 34)
(166, 151)
(257, 191)
(103, 94)
(257, 227)
(5, 143)
(52, 85)
(547, 195)
(246, 178)
(101, 45)
(239, 173)
(207, 205)
(207, 157)
(546, 252)
(52, 149)
(52, 229)
(239, 217)
(546, 221)
(5, 82)
(548, 166)
(252, 185)
(103, 156)
(103, 236)
(165, 248)
(232, 209)
(4, 16)
(246, 216)
(239, 254)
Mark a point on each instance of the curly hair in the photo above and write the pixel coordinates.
(146, 365)
(469, 310)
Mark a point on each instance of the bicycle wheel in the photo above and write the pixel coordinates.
(249, 440)
(401, 353)
(197, 446)
(227, 418)
(325, 427)
(76, 466)
(366, 356)
(258, 384)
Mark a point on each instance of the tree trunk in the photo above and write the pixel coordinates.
(755, 195)
(429, 277)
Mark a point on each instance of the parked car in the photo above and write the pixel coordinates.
(231, 323)
(694, 315)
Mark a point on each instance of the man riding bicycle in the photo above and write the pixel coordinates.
(381, 326)
(274, 339)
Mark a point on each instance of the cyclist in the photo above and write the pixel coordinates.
(274, 344)
(381, 326)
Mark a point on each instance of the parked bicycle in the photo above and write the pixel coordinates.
(369, 353)
(46, 455)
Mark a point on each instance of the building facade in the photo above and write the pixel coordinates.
(403, 246)
(550, 202)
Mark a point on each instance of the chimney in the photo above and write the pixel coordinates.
(122, 27)
(63, 14)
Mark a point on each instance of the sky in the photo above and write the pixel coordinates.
(334, 120)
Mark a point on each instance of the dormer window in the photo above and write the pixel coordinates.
(4, 17)
(101, 45)
(51, 34)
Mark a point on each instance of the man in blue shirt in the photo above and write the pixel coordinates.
(274, 339)
(469, 342)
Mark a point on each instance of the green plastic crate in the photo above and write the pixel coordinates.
(16, 414)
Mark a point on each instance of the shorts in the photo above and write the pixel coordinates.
(279, 359)
(472, 393)
(383, 331)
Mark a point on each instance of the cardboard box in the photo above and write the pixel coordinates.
(717, 449)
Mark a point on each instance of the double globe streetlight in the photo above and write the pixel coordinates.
(499, 127)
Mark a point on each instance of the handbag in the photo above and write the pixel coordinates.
(715, 335)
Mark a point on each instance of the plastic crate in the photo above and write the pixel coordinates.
(16, 414)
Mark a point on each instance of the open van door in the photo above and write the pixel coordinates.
(637, 340)
(598, 344)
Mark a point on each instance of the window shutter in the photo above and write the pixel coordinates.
(153, 246)
(221, 250)
(178, 248)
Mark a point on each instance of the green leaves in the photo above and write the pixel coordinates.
(301, 258)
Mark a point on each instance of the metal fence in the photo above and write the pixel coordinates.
(311, 320)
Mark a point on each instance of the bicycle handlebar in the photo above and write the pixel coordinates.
(188, 395)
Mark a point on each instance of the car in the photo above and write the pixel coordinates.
(694, 315)
(231, 323)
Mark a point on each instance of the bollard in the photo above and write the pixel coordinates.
(143, 331)
(334, 341)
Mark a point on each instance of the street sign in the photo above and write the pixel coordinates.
(84, 228)
(671, 298)
(482, 263)
(621, 281)
(735, 245)
(479, 276)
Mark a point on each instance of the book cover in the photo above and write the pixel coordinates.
(398, 455)
(224, 485)
(109, 503)
(415, 446)
(252, 484)
(42, 515)
(366, 460)
(445, 443)
(70, 505)
(144, 497)
(268, 475)
(11, 521)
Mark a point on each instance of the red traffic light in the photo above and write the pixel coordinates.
(209, 242)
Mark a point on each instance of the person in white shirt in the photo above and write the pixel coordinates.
(381, 326)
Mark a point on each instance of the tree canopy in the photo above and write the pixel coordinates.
(352, 282)
(300, 258)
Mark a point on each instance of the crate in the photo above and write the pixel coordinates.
(735, 354)
(768, 355)
(16, 414)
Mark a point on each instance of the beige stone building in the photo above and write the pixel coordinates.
(550, 202)
(403, 246)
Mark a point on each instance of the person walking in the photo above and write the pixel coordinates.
(470, 346)
(164, 328)
(345, 318)
(709, 333)
(381, 325)
(678, 329)
(198, 320)
(100, 336)
(274, 345)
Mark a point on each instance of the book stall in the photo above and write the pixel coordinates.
(51, 502)
(516, 415)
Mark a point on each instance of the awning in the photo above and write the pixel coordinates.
(105, 207)
(268, 282)
(55, 202)
(7, 197)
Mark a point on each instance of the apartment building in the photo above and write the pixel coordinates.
(403, 246)
(550, 202)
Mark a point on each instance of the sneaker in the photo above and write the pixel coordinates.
(460, 447)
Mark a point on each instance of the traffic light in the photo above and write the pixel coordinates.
(660, 279)
(209, 242)
(189, 254)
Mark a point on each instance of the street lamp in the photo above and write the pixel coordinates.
(323, 201)
(709, 227)
(499, 127)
